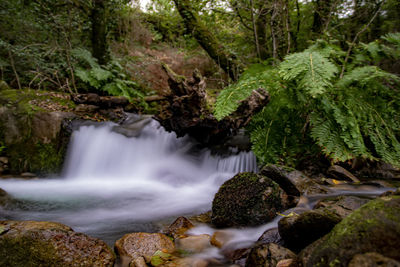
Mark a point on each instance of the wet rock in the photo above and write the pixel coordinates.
(237, 256)
(271, 236)
(144, 245)
(30, 243)
(294, 182)
(298, 231)
(220, 238)
(372, 259)
(287, 263)
(342, 205)
(374, 227)
(248, 199)
(202, 218)
(268, 255)
(179, 227)
(4, 198)
(194, 243)
(188, 262)
(133, 125)
(341, 173)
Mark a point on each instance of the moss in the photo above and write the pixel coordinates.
(372, 228)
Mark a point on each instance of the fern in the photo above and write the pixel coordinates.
(312, 110)
(311, 70)
(230, 98)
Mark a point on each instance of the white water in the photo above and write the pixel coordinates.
(112, 184)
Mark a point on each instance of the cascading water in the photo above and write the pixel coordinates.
(112, 184)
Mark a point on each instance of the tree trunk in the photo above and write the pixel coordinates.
(99, 31)
(261, 25)
(208, 42)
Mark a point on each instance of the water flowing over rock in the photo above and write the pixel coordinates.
(248, 199)
(30, 243)
(372, 228)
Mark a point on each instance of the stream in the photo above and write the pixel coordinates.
(112, 184)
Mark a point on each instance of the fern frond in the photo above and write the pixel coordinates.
(230, 98)
(312, 72)
(364, 75)
(85, 56)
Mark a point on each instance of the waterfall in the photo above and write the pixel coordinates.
(112, 183)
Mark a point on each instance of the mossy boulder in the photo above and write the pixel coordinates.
(248, 199)
(34, 138)
(375, 227)
(300, 230)
(31, 243)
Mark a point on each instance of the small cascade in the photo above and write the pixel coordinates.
(112, 184)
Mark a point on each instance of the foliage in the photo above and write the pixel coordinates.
(109, 78)
(314, 111)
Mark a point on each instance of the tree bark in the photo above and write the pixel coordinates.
(99, 31)
(227, 61)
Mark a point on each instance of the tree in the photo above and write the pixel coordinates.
(98, 18)
(227, 61)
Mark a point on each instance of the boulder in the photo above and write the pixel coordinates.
(298, 231)
(179, 227)
(341, 173)
(372, 259)
(294, 182)
(268, 255)
(31, 243)
(248, 199)
(194, 243)
(4, 198)
(374, 227)
(271, 236)
(221, 238)
(144, 245)
(35, 142)
(341, 205)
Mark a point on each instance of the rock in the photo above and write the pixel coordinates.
(292, 181)
(237, 256)
(221, 237)
(113, 101)
(4, 198)
(30, 243)
(271, 236)
(374, 227)
(28, 175)
(138, 262)
(372, 259)
(194, 243)
(179, 227)
(202, 218)
(248, 199)
(37, 141)
(144, 245)
(4, 160)
(342, 205)
(287, 263)
(268, 255)
(84, 108)
(298, 231)
(188, 262)
(339, 172)
(3, 86)
(133, 125)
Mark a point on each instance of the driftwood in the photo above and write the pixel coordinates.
(187, 111)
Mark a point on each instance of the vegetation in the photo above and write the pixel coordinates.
(333, 81)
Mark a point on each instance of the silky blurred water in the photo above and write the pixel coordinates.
(112, 184)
